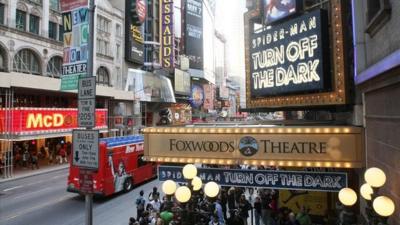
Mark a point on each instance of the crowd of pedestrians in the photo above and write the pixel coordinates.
(27, 155)
(233, 206)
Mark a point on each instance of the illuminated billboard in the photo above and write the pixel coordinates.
(291, 57)
(275, 10)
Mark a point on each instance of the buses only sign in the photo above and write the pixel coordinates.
(85, 149)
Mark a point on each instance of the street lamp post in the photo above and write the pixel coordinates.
(379, 208)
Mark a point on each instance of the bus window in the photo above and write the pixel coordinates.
(141, 162)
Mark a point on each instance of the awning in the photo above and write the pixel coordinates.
(149, 87)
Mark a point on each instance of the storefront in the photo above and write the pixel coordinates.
(305, 165)
(36, 129)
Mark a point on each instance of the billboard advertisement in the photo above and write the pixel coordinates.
(167, 53)
(194, 33)
(291, 57)
(182, 82)
(75, 20)
(134, 33)
(197, 96)
(275, 10)
(208, 96)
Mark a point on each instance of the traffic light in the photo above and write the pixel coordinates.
(137, 11)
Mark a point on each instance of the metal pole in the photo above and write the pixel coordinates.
(91, 39)
(89, 197)
(89, 209)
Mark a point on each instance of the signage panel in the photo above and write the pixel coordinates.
(288, 180)
(85, 149)
(167, 50)
(194, 33)
(75, 17)
(87, 102)
(291, 57)
(47, 120)
(86, 181)
(289, 146)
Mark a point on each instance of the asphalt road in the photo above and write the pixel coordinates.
(43, 200)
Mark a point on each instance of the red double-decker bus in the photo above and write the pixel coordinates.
(121, 167)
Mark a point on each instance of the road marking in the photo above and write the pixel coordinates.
(9, 189)
(23, 212)
(33, 192)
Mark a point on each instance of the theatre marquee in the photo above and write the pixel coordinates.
(336, 147)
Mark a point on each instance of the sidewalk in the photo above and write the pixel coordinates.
(20, 173)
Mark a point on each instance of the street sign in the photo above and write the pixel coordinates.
(87, 102)
(86, 181)
(85, 149)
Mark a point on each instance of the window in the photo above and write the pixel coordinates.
(103, 47)
(118, 30)
(52, 30)
(20, 22)
(34, 24)
(26, 61)
(1, 13)
(54, 67)
(118, 51)
(103, 24)
(141, 162)
(102, 77)
(61, 33)
(378, 13)
(119, 78)
(55, 5)
(39, 2)
(3, 60)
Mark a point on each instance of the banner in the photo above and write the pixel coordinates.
(288, 180)
(48, 120)
(167, 49)
(75, 18)
(134, 33)
(291, 57)
(194, 33)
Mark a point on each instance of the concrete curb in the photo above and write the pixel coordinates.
(33, 174)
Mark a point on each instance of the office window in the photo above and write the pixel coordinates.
(34, 24)
(26, 61)
(60, 33)
(103, 24)
(1, 13)
(102, 77)
(54, 67)
(3, 60)
(55, 5)
(20, 22)
(52, 30)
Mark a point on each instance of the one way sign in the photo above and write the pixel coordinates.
(85, 149)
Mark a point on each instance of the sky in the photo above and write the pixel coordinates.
(229, 21)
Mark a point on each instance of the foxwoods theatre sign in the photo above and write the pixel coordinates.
(291, 57)
(289, 180)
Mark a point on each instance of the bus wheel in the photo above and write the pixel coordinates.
(128, 184)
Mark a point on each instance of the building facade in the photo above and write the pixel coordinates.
(31, 58)
(377, 76)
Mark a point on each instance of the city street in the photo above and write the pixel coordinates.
(43, 200)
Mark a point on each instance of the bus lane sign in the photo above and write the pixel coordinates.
(85, 149)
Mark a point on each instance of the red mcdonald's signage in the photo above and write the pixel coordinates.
(49, 120)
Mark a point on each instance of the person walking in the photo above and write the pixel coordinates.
(25, 158)
(257, 210)
(244, 207)
(140, 203)
(34, 160)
